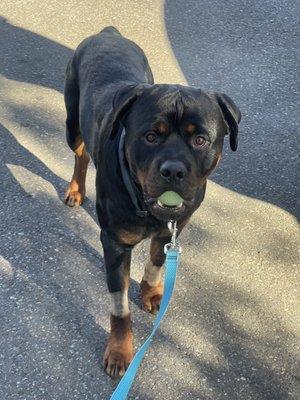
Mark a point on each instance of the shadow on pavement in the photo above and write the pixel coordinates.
(48, 320)
(248, 51)
(32, 58)
(251, 364)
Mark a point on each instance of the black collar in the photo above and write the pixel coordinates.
(129, 183)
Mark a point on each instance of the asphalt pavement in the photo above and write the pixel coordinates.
(232, 330)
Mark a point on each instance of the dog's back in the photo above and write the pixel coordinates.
(108, 58)
(101, 65)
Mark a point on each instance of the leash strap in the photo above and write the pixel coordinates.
(172, 262)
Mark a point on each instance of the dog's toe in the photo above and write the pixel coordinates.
(116, 363)
(73, 198)
(151, 296)
(155, 303)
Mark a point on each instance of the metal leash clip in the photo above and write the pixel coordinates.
(172, 225)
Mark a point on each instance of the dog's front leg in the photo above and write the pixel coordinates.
(151, 285)
(119, 350)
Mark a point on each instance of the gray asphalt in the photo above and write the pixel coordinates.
(232, 330)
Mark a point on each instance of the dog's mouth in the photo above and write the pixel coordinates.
(163, 206)
(164, 209)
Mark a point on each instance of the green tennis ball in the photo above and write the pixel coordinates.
(170, 199)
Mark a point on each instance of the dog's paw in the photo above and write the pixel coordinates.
(151, 296)
(117, 357)
(73, 198)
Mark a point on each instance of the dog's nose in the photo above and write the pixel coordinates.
(173, 171)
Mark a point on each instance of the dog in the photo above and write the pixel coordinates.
(144, 139)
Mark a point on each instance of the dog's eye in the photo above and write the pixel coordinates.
(199, 141)
(151, 137)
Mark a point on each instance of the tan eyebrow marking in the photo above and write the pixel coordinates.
(161, 127)
(191, 128)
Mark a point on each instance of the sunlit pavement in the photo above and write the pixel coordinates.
(231, 331)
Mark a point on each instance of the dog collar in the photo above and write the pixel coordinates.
(130, 185)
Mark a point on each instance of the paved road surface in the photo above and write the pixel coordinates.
(231, 332)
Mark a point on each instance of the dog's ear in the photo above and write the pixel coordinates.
(231, 115)
(122, 101)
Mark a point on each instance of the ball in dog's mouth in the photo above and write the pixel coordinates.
(169, 200)
(169, 205)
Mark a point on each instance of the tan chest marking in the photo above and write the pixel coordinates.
(130, 238)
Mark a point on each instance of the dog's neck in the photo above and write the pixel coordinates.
(131, 187)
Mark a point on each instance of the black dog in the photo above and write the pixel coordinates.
(144, 139)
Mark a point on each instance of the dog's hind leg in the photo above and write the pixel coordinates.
(75, 191)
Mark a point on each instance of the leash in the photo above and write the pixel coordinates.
(172, 251)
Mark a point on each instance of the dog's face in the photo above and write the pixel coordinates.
(174, 139)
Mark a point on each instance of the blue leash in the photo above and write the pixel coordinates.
(172, 251)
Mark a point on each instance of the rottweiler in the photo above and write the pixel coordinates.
(144, 139)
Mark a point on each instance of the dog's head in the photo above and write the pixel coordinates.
(174, 139)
